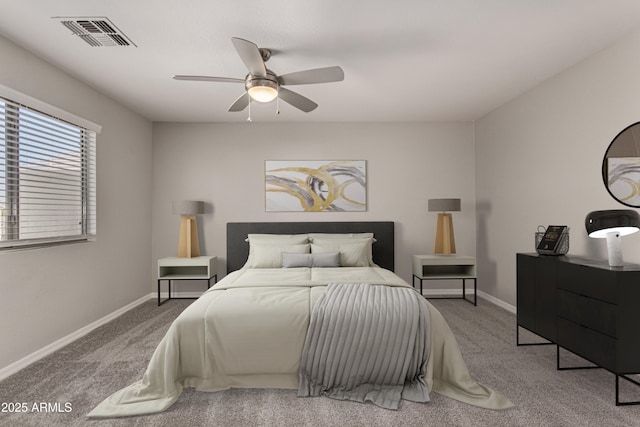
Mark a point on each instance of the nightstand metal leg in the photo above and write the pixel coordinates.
(475, 291)
(215, 280)
(169, 290)
(464, 289)
(413, 282)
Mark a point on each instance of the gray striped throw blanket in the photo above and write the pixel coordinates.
(367, 343)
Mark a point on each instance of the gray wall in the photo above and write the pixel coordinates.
(223, 164)
(47, 294)
(539, 157)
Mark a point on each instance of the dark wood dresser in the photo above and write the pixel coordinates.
(584, 306)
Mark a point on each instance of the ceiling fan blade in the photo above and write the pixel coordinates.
(297, 100)
(240, 103)
(317, 75)
(250, 55)
(209, 79)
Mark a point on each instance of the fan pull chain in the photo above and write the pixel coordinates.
(249, 118)
(277, 105)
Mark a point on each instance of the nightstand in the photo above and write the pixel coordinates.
(196, 268)
(446, 267)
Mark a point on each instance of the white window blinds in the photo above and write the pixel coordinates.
(47, 178)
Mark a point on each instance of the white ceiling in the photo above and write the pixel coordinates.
(404, 60)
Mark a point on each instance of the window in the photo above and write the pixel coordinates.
(47, 177)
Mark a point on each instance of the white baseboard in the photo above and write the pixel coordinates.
(57, 345)
(510, 308)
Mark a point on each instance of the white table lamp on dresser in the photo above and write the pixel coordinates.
(188, 244)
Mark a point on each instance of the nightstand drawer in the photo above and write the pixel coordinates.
(597, 315)
(591, 282)
(593, 346)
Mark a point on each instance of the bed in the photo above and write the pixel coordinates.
(309, 306)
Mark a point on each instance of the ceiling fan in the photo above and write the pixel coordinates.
(263, 85)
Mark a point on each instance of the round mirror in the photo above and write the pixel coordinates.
(621, 166)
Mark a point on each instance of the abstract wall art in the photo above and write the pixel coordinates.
(315, 186)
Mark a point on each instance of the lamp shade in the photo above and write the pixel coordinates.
(187, 207)
(444, 205)
(263, 93)
(622, 221)
(445, 242)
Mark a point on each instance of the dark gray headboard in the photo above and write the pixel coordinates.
(238, 249)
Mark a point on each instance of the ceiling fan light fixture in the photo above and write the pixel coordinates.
(263, 93)
(262, 89)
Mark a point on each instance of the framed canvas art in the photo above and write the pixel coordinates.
(315, 186)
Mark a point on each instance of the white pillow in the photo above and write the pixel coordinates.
(313, 236)
(335, 241)
(324, 259)
(354, 253)
(278, 238)
(269, 255)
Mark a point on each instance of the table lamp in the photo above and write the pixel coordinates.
(188, 244)
(612, 225)
(445, 241)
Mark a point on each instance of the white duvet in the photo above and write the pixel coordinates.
(248, 331)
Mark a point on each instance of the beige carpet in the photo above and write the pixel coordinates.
(73, 380)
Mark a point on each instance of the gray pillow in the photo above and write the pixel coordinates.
(325, 259)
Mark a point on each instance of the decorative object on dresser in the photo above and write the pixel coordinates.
(188, 243)
(445, 241)
(612, 225)
(436, 267)
(554, 241)
(584, 306)
(560, 240)
(195, 268)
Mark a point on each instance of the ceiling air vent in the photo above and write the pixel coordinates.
(96, 31)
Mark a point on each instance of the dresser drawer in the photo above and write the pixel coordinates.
(597, 315)
(592, 345)
(591, 282)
